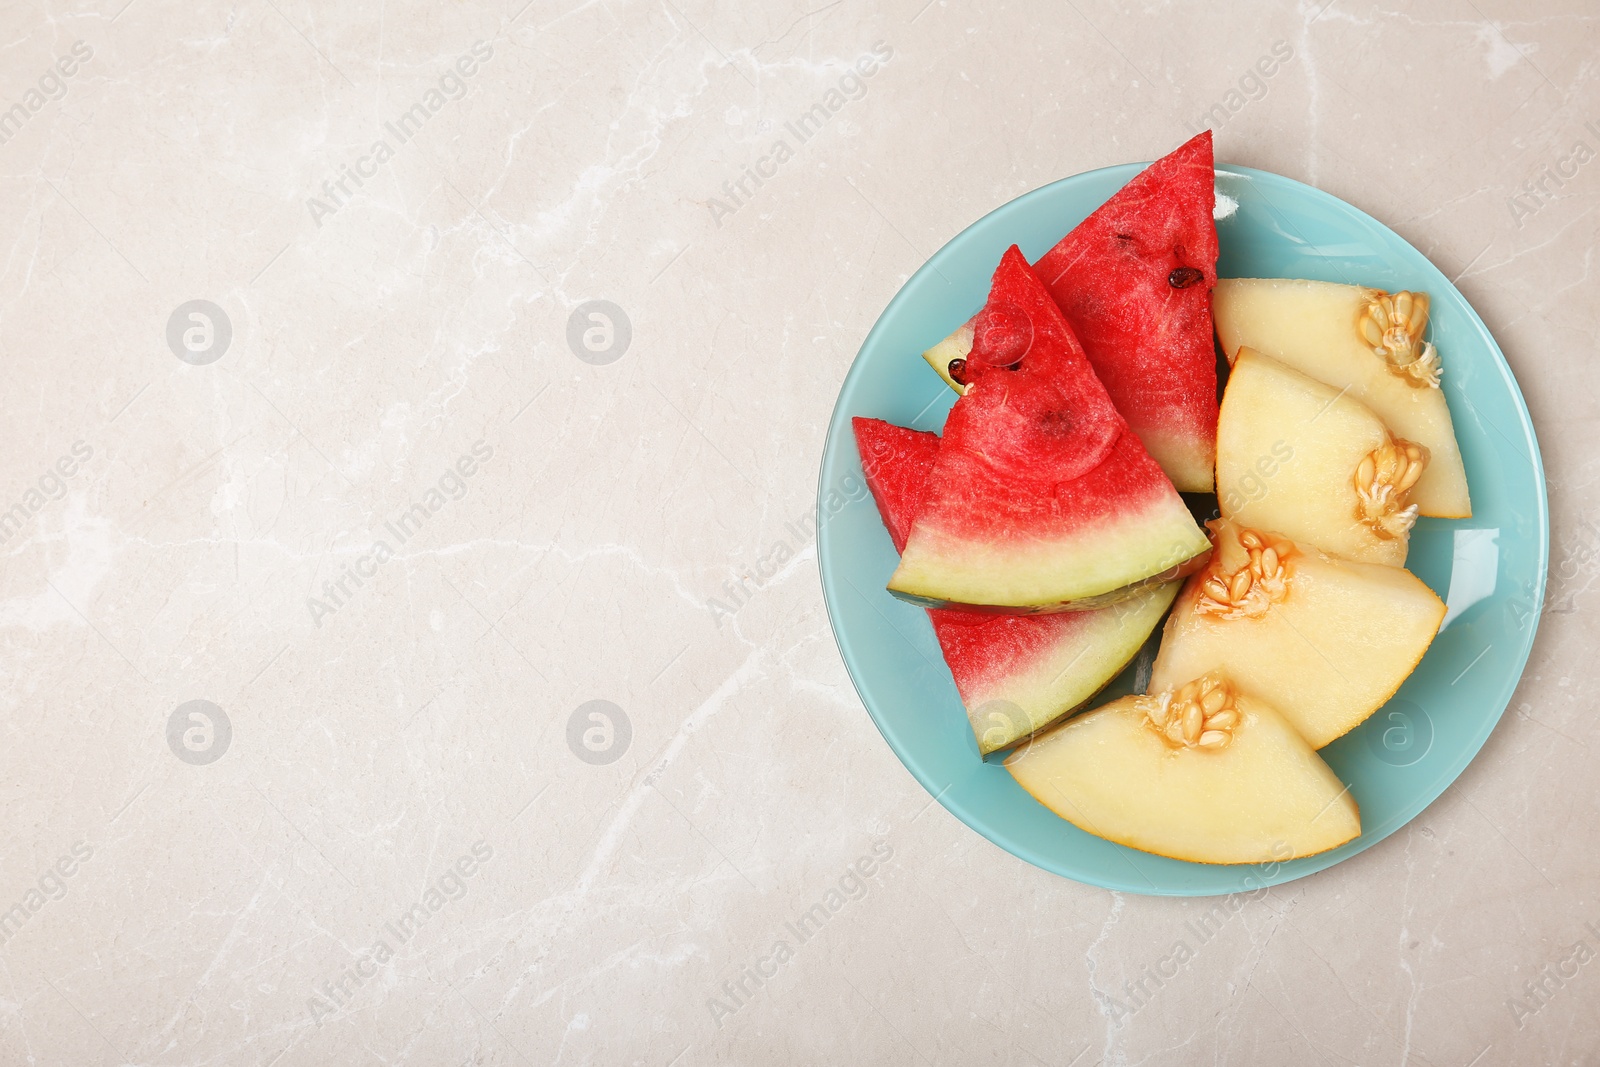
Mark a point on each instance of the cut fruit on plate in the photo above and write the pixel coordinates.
(1500, 570)
(1366, 341)
(1325, 641)
(1042, 499)
(1016, 674)
(1134, 282)
(1305, 460)
(1200, 772)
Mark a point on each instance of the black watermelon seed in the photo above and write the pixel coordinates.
(1183, 277)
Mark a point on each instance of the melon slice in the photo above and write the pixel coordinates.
(1042, 498)
(1310, 462)
(1366, 341)
(1134, 281)
(1325, 641)
(1200, 772)
(1016, 674)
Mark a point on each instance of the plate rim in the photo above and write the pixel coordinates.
(1308, 865)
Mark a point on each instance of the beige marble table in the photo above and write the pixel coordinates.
(332, 502)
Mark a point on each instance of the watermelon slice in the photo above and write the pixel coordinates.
(1016, 674)
(1043, 499)
(1134, 280)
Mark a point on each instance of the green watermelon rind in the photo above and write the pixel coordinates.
(1095, 565)
(1068, 676)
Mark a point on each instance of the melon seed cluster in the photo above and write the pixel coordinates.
(1199, 714)
(1393, 326)
(1248, 592)
(1383, 482)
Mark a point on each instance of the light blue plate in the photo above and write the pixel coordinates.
(1490, 569)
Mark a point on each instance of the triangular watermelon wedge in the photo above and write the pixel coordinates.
(1134, 280)
(1016, 674)
(1043, 500)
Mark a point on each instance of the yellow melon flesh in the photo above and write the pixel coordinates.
(1263, 796)
(1325, 641)
(1316, 328)
(1290, 457)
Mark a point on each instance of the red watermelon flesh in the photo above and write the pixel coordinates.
(1016, 673)
(1134, 280)
(1043, 499)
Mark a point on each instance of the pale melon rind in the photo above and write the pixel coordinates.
(1314, 327)
(942, 569)
(1331, 653)
(1013, 706)
(1288, 447)
(956, 346)
(1266, 797)
(1175, 453)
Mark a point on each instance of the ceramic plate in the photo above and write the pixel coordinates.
(1489, 569)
